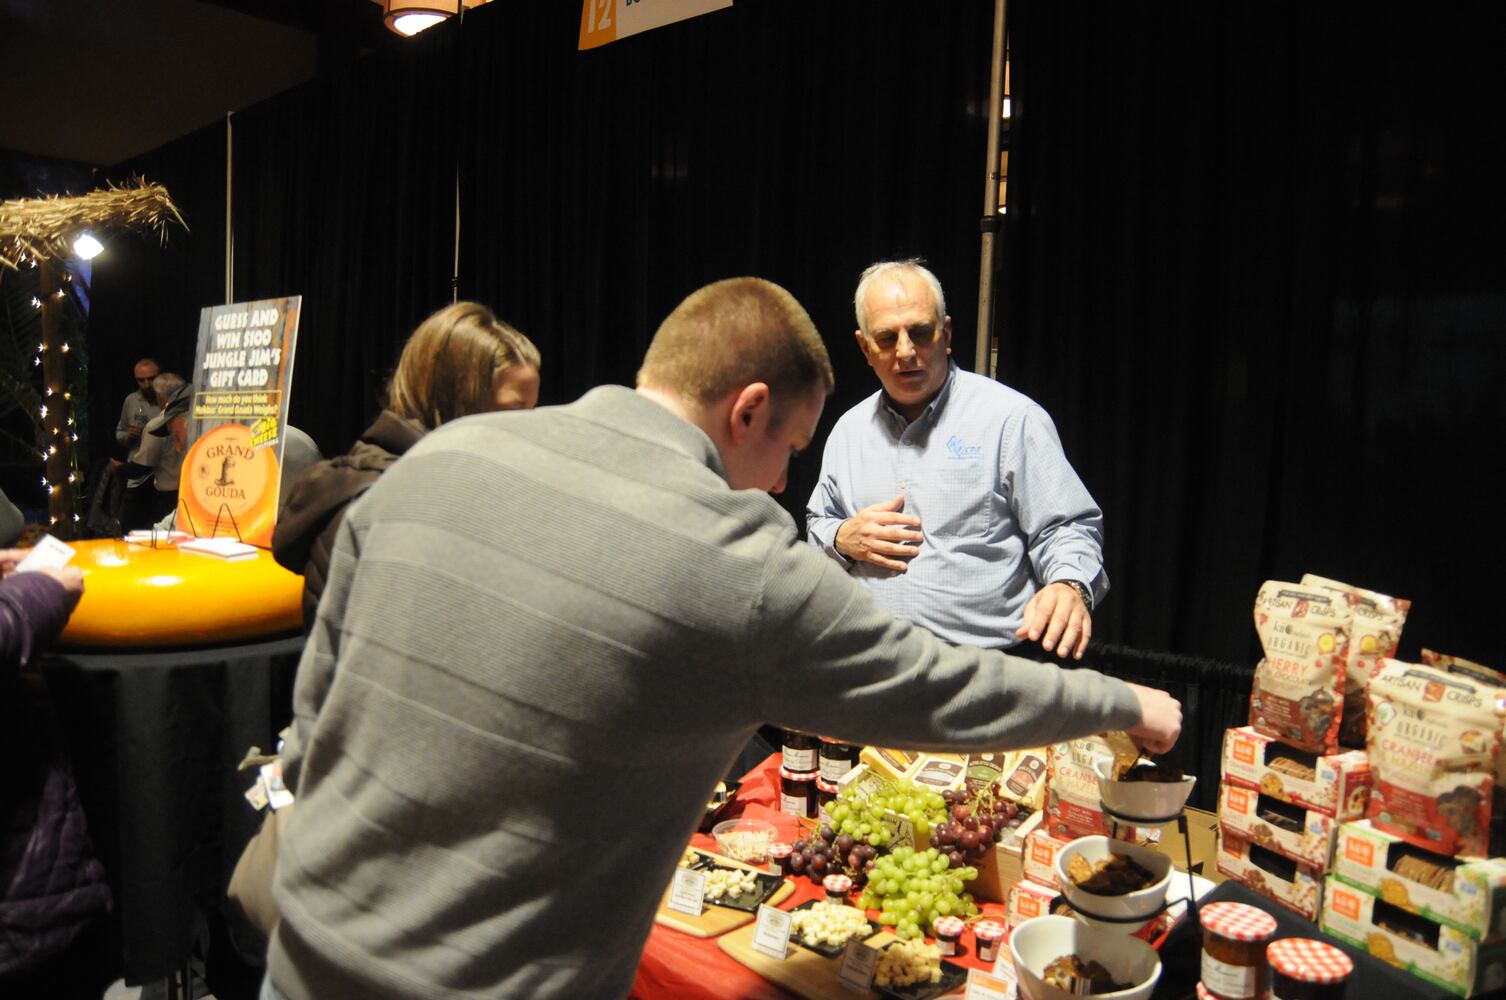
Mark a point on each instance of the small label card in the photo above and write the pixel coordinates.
(983, 986)
(859, 962)
(48, 554)
(771, 936)
(687, 892)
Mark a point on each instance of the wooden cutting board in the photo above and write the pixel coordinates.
(803, 972)
(715, 919)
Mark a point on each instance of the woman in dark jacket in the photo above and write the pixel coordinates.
(461, 360)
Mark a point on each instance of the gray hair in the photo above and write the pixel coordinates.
(166, 384)
(884, 268)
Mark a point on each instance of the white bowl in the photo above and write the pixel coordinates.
(1038, 942)
(745, 839)
(1146, 802)
(1136, 907)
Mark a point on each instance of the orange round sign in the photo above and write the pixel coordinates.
(225, 477)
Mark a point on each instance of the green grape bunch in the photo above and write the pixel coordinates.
(912, 889)
(862, 816)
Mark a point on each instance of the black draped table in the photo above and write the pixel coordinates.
(155, 738)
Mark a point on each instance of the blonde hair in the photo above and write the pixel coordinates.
(732, 333)
(451, 362)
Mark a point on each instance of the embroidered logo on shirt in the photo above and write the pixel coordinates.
(962, 452)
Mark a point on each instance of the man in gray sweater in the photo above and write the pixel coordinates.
(544, 637)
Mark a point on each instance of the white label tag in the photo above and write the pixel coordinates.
(257, 795)
(278, 795)
(859, 962)
(48, 554)
(771, 936)
(985, 986)
(1004, 968)
(687, 891)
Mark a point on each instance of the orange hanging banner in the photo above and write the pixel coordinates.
(604, 21)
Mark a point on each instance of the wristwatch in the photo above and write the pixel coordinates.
(1082, 591)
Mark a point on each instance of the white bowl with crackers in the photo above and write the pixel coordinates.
(1146, 800)
(1101, 863)
(1040, 942)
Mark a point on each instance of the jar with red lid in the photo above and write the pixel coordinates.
(837, 887)
(779, 858)
(797, 793)
(826, 794)
(1235, 936)
(1304, 969)
(987, 934)
(948, 932)
(798, 752)
(836, 759)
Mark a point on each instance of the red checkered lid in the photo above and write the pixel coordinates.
(948, 926)
(837, 883)
(786, 773)
(1238, 921)
(826, 786)
(1202, 992)
(780, 850)
(1309, 961)
(988, 930)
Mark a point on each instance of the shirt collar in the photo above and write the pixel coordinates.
(628, 411)
(897, 419)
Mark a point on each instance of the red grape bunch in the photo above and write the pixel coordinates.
(975, 825)
(827, 851)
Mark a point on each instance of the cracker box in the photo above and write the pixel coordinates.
(1296, 832)
(1473, 901)
(1039, 857)
(1338, 784)
(939, 772)
(1027, 900)
(890, 765)
(1438, 953)
(1295, 886)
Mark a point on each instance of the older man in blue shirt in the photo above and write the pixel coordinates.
(947, 494)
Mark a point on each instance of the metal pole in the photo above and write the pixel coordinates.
(229, 211)
(990, 221)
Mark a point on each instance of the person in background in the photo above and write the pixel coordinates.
(543, 637)
(53, 891)
(164, 442)
(947, 495)
(459, 361)
(12, 523)
(139, 408)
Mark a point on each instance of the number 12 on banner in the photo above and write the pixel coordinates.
(604, 21)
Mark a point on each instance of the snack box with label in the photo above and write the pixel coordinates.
(891, 765)
(1003, 867)
(1443, 955)
(1296, 832)
(1027, 900)
(940, 771)
(1295, 886)
(1338, 784)
(1038, 859)
(1466, 893)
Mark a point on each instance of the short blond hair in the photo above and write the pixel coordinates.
(451, 362)
(733, 333)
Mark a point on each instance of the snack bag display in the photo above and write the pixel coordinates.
(1373, 636)
(1073, 805)
(1435, 745)
(1299, 686)
(1459, 665)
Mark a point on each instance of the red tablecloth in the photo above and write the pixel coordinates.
(678, 966)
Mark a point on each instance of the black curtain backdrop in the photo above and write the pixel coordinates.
(799, 142)
(1255, 272)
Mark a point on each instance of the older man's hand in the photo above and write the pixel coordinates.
(1057, 619)
(881, 535)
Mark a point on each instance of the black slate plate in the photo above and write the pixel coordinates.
(826, 950)
(768, 884)
(952, 977)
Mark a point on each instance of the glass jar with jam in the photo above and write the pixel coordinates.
(826, 794)
(798, 752)
(1304, 969)
(836, 759)
(797, 793)
(1235, 936)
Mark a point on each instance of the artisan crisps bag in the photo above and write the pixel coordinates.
(1435, 747)
(1073, 805)
(1459, 665)
(1298, 697)
(1373, 636)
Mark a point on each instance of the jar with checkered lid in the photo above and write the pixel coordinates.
(1304, 969)
(1235, 936)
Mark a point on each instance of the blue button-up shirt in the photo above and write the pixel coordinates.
(1002, 511)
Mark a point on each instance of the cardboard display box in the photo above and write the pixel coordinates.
(1443, 955)
(1296, 886)
(1367, 858)
(1338, 784)
(1255, 817)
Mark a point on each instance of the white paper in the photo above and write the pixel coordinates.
(859, 962)
(771, 936)
(687, 891)
(986, 986)
(1004, 968)
(48, 554)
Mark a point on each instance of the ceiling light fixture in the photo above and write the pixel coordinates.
(86, 246)
(409, 17)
